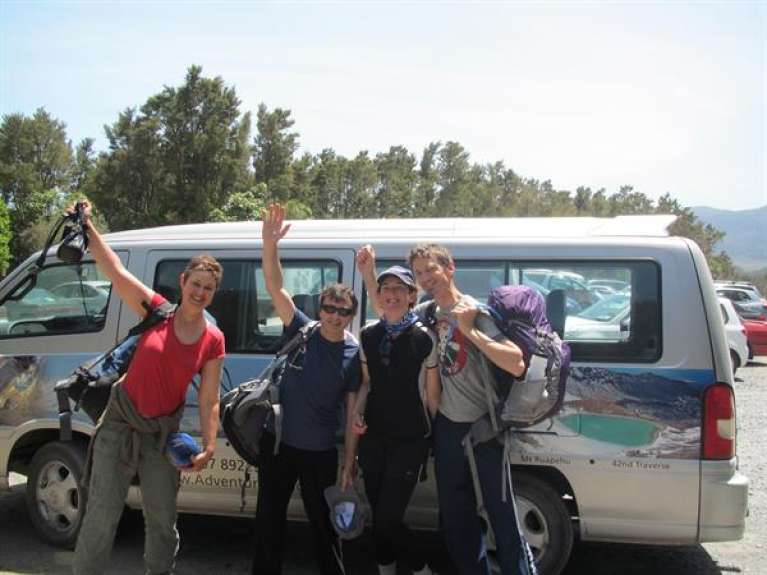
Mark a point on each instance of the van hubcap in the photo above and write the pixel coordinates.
(58, 499)
(534, 527)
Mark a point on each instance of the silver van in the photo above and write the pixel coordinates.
(642, 451)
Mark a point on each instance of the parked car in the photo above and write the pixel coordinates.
(748, 286)
(93, 294)
(756, 333)
(736, 334)
(572, 307)
(747, 303)
(613, 284)
(573, 284)
(605, 320)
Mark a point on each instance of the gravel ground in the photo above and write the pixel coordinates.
(214, 545)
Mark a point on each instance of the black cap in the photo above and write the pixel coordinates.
(401, 273)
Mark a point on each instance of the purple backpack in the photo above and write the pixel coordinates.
(520, 313)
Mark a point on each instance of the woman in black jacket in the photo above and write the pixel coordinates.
(398, 397)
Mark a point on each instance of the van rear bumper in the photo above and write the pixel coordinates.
(723, 501)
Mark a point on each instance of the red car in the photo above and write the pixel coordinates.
(756, 333)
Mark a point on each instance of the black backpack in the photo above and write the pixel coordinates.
(89, 386)
(246, 410)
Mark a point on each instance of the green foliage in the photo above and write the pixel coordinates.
(273, 152)
(242, 206)
(35, 162)
(178, 159)
(396, 179)
(5, 239)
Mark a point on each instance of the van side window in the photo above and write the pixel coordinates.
(63, 299)
(478, 278)
(242, 308)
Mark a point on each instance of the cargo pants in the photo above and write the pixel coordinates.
(107, 491)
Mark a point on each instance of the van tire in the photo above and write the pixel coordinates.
(55, 497)
(545, 521)
(735, 361)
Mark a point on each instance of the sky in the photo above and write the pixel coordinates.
(668, 97)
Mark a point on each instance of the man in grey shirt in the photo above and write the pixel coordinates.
(467, 342)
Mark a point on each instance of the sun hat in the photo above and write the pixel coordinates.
(348, 511)
(181, 448)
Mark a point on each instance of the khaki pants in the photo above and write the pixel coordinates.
(107, 491)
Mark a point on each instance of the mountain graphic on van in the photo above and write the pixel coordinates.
(641, 412)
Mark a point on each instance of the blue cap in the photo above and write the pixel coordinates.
(181, 448)
(401, 273)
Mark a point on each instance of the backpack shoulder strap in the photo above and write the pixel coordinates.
(153, 317)
(299, 338)
(429, 318)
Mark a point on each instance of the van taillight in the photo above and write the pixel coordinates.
(719, 422)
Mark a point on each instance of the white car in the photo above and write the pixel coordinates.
(606, 320)
(736, 334)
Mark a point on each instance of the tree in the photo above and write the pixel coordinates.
(82, 167)
(242, 206)
(426, 191)
(360, 179)
(5, 239)
(705, 235)
(182, 156)
(397, 179)
(273, 152)
(454, 196)
(328, 185)
(628, 202)
(35, 161)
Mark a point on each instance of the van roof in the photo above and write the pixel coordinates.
(436, 228)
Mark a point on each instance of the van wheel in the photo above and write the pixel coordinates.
(735, 361)
(55, 498)
(545, 522)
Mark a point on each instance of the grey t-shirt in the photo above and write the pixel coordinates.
(463, 368)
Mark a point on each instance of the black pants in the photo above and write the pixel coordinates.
(390, 468)
(277, 476)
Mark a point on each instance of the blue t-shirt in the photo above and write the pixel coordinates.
(313, 392)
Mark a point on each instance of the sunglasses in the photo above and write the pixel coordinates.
(342, 311)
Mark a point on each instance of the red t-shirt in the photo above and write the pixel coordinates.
(162, 367)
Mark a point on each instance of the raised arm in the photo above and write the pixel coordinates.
(366, 262)
(127, 286)
(273, 229)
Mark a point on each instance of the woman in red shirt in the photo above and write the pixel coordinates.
(145, 406)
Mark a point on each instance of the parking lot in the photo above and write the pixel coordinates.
(214, 545)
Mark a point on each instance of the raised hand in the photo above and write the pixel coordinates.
(87, 209)
(366, 259)
(273, 228)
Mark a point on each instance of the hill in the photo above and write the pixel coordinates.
(746, 239)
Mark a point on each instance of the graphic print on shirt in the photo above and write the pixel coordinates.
(451, 347)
